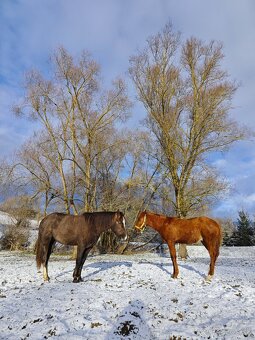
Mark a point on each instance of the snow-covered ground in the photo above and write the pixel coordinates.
(129, 297)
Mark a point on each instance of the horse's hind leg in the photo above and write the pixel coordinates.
(214, 255)
(46, 251)
(45, 264)
(213, 249)
(172, 250)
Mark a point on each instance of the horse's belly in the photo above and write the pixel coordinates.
(190, 237)
(65, 238)
(189, 240)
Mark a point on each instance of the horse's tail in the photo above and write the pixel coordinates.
(218, 240)
(220, 235)
(39, 249)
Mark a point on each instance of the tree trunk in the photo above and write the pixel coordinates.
(74, 253)
(182, 249)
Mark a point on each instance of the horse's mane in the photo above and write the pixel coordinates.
(100, 218)
(153, 213)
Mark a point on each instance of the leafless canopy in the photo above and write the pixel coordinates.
(78, 119)
(187, 97)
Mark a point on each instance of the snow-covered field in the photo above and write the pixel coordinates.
(129, 297)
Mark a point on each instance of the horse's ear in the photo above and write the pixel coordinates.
(118, 214)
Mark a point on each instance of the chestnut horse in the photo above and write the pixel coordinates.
(81, 230)
(187, 231)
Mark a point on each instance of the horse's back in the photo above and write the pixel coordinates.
(70, 229)
(51, 219)
(181, 230)
(192, 230)
(48, 223)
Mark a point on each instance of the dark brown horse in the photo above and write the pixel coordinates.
(187, 231)
(81, 230)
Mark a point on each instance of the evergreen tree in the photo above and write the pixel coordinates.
(227, 240)
(245, 233)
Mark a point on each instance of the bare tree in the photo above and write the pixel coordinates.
(187, 97)
(187, 104)
(76, 114)
(81, 158)
(36, 170)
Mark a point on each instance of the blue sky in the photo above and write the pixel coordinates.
(113, 30)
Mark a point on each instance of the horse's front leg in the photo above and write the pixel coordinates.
(81, 258)
(84, 257)
(172, 250)
(76, 276)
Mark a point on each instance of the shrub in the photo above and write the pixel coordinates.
(15, 238)
(107, 242)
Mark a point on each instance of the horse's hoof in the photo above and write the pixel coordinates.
(174, 276)
(77, 279)
(208, 278)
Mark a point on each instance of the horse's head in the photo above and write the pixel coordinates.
(140, 223)
(119, 225)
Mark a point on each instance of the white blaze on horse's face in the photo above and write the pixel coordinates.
(124, 225)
